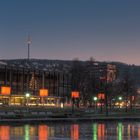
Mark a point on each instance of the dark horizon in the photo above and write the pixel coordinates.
(111, 62)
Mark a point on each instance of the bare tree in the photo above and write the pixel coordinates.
(128, 88)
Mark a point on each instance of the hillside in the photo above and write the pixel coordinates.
(65, 65)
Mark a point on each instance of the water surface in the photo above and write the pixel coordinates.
(71, 131)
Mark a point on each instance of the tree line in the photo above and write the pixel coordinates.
(86, 78)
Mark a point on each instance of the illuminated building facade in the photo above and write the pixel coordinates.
(22, 80)
(58, 82)
(16, 81)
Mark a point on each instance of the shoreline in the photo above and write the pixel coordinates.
(43, 114)
(74, 119)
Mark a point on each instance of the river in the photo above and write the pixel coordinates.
(71, 131)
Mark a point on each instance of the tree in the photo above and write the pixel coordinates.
(128, 87)
(83, 80)
(89, 82)
(77, 71)
(33, 83)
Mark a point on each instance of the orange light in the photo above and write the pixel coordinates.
(101, 131)
(5, 90)
(75, 132)
(43, 132)
(101, 96)
(4, 133)
(43, 92)
(74, 94)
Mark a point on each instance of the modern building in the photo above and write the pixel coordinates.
(23, 78)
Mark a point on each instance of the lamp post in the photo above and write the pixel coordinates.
(95, 100)
(27, 95)
(120, 99)
(74, 95)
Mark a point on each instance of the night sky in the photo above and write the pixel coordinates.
(108, 30)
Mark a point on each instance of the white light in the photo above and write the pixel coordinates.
(62, 105)
(27, 95)
(95, 98)
(120, 98)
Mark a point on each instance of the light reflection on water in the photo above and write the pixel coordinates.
(72, 131)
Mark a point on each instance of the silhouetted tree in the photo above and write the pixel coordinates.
(128, 87)
(77, 71)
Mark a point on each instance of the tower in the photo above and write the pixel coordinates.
(29, 43)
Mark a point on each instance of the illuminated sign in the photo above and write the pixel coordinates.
(75, 94)
(101, 96)
(43, 92)
(5, 90)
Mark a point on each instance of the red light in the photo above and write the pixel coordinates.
(75, 94)
(101, 96)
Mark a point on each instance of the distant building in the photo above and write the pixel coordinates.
(24, 78)
(104, 71)
(111, 72)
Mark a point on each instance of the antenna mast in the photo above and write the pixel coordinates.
(29, 43)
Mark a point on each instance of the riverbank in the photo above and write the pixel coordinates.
(35, 120)
(43, 114)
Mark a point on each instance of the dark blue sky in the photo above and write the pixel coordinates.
(65, 29)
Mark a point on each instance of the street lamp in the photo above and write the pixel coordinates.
(120, 99)
(27, 95)
(95, 100)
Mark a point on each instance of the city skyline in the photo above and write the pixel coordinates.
(106, 30)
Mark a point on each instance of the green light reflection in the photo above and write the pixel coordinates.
(95, 131)
(26, 132)
(119, 131)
